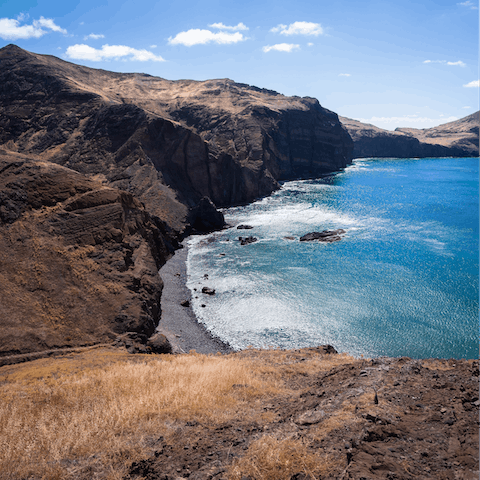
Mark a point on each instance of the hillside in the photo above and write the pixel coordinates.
(102, 173)
(169, 143)
(454, 139)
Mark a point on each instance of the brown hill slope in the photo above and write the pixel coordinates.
(169, 143)
(78, 260)
(454, 139)
(100, 172)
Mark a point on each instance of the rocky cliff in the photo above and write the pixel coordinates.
(454, 139)
(78, 259)
(101, 173)
(169, 143)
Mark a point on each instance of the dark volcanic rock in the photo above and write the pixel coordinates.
(159, 344)
(218, 139)
(205, 217)
(325, 236)
(247, 240)
(208, 290)
(244, 227)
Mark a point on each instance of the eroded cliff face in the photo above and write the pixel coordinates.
(454, 139)
(168, 143)
(101, 173)
(78, 260)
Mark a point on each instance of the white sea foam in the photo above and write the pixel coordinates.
(395, 274)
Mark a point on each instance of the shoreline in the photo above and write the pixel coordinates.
(179, 323)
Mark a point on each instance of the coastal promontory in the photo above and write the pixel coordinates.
(103, 173)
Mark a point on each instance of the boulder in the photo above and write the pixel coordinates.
(159, 343)
(247, 240)
(208, 291)
(325, 236)
(205, 217)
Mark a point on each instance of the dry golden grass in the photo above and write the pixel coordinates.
(54, 420)
(269, 458)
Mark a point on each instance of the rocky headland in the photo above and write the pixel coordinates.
(454, 139)
(102, 175)
(125, 166)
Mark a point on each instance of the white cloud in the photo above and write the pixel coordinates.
(299, 28)
(310, 44)
(50, 24)
(281, 47)
(94, 36)
(474, 84)
(11, 29)
(236, 28)
(153, 46)
(467, 107)
(197, 36)
(107, 52)
(344, 74)
(458, 63)
(468, 4)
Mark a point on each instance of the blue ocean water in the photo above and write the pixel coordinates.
(402, 281)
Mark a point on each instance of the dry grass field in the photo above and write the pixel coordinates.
(90, 414)
(264, 415)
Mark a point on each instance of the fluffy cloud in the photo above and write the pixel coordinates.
(11, 29)
(299, 28)
(458, 63)
(281, 47)
(93, 36)
(468, 4)
(474, 84)
(197, 36)
(236, 28)
(107, 52)
(344, 74)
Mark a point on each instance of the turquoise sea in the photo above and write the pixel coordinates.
(403, 281)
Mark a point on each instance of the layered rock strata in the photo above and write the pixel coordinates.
(78, 260)
(102, 172)
(170, 143)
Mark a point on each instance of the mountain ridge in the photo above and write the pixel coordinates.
(148, 154)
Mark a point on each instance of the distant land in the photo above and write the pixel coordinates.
(103, 173)
(453, 139)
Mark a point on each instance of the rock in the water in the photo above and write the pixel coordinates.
(247, 240)
(159, 343)
(244, 227)
(208, 291)
(185, 303)
(325, 236)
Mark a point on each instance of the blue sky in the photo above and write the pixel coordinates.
(390, 63)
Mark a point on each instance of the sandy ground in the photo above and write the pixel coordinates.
(178, 323)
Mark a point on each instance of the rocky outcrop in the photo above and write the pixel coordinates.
(78, 260)
(327, 236)
(454, 139)
(168, 143)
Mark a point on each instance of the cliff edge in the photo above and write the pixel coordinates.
(101, 174)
